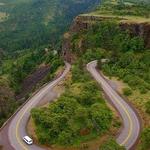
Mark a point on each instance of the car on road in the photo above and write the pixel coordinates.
(27, 140)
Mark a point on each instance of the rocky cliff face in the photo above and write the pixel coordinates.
(139, 29)
(83, 22)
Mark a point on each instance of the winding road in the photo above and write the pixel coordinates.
(131, 124)
(17, 127)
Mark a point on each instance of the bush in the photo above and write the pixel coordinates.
(145, 139)
(111, 145)
(142, 89)
(78, 114)
(127, 91)
(132, 69)
(101, 116)
(65, 138)
(147, 107)
(108, 35)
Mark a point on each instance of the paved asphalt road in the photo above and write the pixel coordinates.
(131, 123)
(127, 137)
(17, 127)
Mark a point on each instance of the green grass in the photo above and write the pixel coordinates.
(126, 12)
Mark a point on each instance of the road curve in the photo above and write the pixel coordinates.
(131, 123)
(17, 127)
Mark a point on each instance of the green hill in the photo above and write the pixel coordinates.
(31, 23)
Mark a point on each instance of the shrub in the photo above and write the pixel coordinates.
(127, 91)
(143, 89)
(145, 139)
(111, 145)
(147, 107)
(75, 116)
(108, 35)
(65, 138)
(132, 69)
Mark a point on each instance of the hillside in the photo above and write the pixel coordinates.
(29, 31)
(32, 23)
(119, 33)
(116, 33)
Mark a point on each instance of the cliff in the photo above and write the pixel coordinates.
(85, 22)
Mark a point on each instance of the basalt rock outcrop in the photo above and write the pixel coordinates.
(139, 29)
(84, 22)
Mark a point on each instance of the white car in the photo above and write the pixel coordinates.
(28, 140)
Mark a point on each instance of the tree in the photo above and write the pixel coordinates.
(111, 145)
(145, 139)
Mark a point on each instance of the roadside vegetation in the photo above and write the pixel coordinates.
(145, 139)
(15, 70)
(111, 145)
(134, 69)
(26, 28)
(80, 114)
(127, 60)
(18, 69)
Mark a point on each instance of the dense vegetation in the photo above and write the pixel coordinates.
(20, 68)
(131, 68)
(33, 23)
(127, 59)
(26, 28)
(124, 53)
(111, 145)
(80, 114)
(7, 101)
(108, 35)
(146, 139)
(14, 71)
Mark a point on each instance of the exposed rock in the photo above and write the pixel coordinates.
(84, 22)
(139, 29)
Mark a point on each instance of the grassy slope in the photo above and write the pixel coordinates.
(127, 12)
